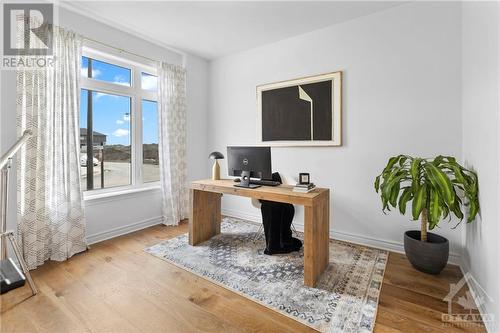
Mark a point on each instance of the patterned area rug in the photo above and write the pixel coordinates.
(345, 299)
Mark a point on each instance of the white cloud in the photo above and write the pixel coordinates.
(95, 72)
(149, 82)
(120, 79)
(119, 122)
(121, 132)
(99, 95)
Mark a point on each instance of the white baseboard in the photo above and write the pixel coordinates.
(343, 236)
(482, 308)
(242, 215)
(122, 230)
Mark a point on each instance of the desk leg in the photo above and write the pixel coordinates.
(316, 238)
(204, 215)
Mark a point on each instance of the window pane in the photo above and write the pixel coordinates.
(83, 138)
(150, 164)
(149, 82)
(111, 120)
(111, 159)
(85, 66)
(110, 73)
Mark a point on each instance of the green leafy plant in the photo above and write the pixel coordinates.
(436, 188)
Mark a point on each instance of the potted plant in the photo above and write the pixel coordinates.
(436, 188)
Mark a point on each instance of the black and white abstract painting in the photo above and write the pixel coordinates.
(301, 112)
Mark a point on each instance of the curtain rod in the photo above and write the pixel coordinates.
(21, 17)
(120, 50)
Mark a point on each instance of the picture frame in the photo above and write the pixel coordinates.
(301, 112)
(304, 178)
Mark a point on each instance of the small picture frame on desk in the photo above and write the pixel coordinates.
(304, 178)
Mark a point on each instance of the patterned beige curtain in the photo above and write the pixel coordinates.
(50, 216)
(172, 142)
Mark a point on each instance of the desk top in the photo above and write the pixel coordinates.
(282, 193)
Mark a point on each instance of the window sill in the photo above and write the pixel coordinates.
(89, 197)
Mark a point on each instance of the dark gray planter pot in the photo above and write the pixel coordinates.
(428, 257)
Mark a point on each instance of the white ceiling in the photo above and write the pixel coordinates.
(215, 29)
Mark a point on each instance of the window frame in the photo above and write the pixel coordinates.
(136, 94)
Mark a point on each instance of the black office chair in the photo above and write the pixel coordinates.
(277, 220)
(285, 180)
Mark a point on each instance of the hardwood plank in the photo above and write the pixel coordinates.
(405, 276)
(205, 294)
(399, 321)
(417, 312)
(117, 287)
(419, 296)
(44, 313)
(16, 322)
(93, 314)
(418, 299)
(150, 295)
(381, 328)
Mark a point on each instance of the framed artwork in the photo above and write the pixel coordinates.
(304, 178)
(301, 112)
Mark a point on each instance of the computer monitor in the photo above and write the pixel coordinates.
(249, 162)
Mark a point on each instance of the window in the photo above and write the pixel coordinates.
(118, 123)
(149, 82)
(103, 71)
(150, 155)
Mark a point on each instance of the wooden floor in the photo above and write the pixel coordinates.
(116, 287)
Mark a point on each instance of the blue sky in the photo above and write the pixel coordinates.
(111, 113)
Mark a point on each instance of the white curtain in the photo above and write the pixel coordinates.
(50, 216)
(172, 142)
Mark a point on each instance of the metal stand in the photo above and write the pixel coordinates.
(245, 181)
(17, 251)
(261, 232)
(258, 233)
(9, 234)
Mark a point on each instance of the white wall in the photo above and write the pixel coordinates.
(481, 142)
(401, 94)
(197, 117)
(111, 216)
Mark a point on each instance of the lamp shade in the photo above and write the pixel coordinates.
(216, 155)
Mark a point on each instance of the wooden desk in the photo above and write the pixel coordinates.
(205, 217)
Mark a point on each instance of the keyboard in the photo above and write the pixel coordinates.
(264, 182)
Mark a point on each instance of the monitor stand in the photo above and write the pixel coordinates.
(245, 181)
